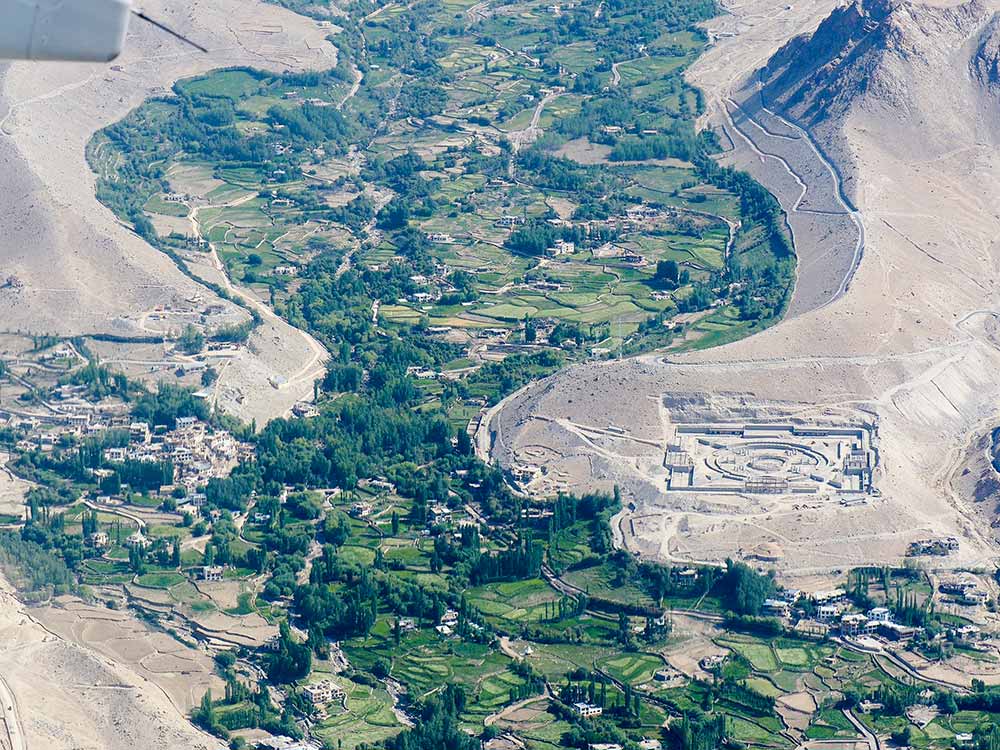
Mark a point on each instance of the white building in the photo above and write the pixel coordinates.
(827, 612)
(828, 597)
(213, 572)
(138, 432)
(587, 710)
(115, 455)
(879, 614)
(776, 607)
(562, 247)
(855, 624)
(320, 693)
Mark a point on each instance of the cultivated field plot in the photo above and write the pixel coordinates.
(546, 188)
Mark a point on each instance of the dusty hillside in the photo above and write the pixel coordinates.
(899, 328)
(922, 74)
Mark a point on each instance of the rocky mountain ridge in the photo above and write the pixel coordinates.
(883, 54)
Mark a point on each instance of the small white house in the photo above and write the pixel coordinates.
(587, 710)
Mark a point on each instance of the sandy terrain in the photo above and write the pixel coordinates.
(181, 672)
(12, 489)
(80, 270)
(66, 696)
(911, 344)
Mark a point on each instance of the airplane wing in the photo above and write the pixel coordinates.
(75, 30)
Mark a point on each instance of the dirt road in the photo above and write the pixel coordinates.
(314, 367)
(11, 719)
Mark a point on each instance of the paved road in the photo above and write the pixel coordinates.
(871, 739)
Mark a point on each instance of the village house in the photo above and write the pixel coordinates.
(213, 572)
(440, 513)
(975, 597)
(562, 247)
(138, 432)
(968, 633)
(360, 509)
(827, 612)
(776, 607)
(98, 540)
(856, 624)
(440, 238)
(711, 662)
(896, 632)
(137, 539)
(879, 614)
(381, 484)
(510, 221)
(828, 597)
(321, 693)
(115, 455)
(587, 710)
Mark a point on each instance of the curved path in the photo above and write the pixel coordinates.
(870, 738)
(813, 254)
(314, 367)
(11, 717)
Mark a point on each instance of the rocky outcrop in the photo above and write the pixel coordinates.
(922, 77)
(985, 65)
(873, 52)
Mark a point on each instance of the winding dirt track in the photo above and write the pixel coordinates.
(11, 717)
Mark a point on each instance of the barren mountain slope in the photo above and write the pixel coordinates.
(918, 74)
(911, 343)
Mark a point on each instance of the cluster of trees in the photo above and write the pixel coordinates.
(167, 403)
(101, 382)
(587, 515)
(751, 700)
(141, 476)
(496, 379)
(533, 682)
(680, 145)
(742, 589)
(697, 731)
(290, 661)
(33, 568)
(438, 726)
(313, 125)
(521, 560)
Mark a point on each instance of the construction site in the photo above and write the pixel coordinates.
(771, 459)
